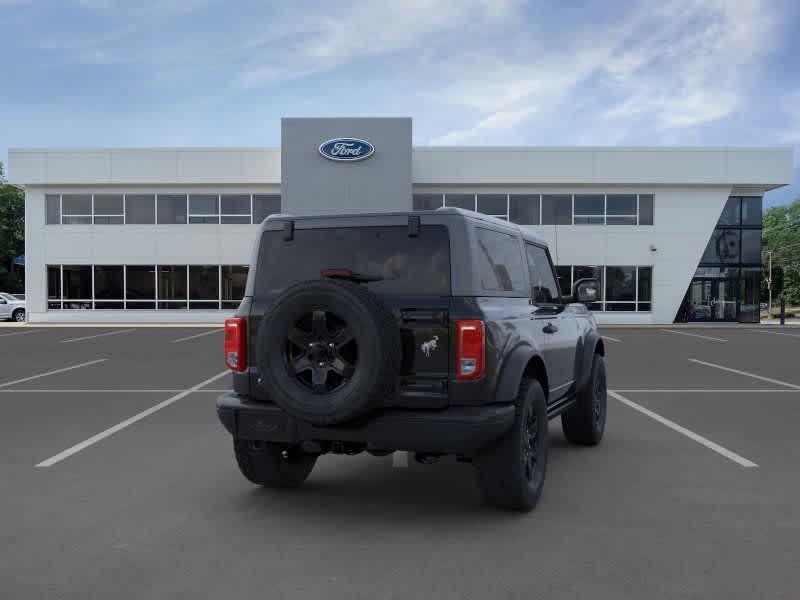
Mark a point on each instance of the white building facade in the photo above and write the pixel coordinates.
(166, 235)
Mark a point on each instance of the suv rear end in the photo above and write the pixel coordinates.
(440, 400)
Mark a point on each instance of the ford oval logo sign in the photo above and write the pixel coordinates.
(345, 149)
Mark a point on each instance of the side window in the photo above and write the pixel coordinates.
(544, 289)
(499, 262)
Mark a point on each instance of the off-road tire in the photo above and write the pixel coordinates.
(376, 335)
(272, 465)
(501, 469)
(585, 422)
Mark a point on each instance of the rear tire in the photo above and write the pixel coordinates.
(18, 315)
(273, 465)
(585, 422)
(511, 472)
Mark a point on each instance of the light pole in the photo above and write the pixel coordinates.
(769, 285)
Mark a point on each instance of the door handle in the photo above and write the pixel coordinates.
(549, 328)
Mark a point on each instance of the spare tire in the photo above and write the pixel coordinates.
(328, 351)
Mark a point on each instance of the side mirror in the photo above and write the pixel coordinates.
(586, 290)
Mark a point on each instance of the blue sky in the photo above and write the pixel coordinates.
(470, 72)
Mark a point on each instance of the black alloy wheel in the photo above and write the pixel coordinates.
(530, 445)
(321, 351)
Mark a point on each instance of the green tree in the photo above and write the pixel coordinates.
(12, 235)
(781, 235)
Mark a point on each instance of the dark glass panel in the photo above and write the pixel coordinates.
(108, 282)
(427, 201)
(235, 204)
(172, 282)
(523, 209)
(171, 209)
(76, 204)
(140, 282)
(646, 209)
(140, 209)
(751, 211)
(723, 247)
(589, 204)
(54, 282)
(557, 209)
(620, 283)
(466, 201)
(645, 283)
(492, 204)
(106, 305)
(621, 204)
(564, 274)
(612, 220)
(53, 209)
(203, 204)
(751, 246)
(108, 204)
(750, 295)
(499, 262)
(234, 279)
(644, 307)
(544, 289)
(77, 282)
(621, 306)
(265, 205)
(203, 282)
(406, 265)
(235, 220)
(731, 213)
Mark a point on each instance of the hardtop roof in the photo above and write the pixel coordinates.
(447, 211)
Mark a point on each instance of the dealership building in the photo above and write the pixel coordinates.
(166, 234)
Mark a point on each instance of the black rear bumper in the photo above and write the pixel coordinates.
(455, 430)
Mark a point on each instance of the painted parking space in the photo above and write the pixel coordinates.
(649, 504)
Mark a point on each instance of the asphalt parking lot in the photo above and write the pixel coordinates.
(119, 482)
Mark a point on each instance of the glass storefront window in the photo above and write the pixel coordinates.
(751, 211)
(750, 295)
(730, 214)
(723, 247)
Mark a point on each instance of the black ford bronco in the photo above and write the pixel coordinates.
(437, 332)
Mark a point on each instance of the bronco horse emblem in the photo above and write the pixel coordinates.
(430, 346)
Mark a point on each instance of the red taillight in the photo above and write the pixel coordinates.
(470, 352)
(236, 343)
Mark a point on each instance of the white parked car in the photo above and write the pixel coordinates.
(12, 308)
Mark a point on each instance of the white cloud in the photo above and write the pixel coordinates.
(681, 65)
(496, 122)
(300, 45)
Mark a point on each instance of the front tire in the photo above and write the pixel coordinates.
(511, 472)
(585, 422)
(273, 465)
(18, 316)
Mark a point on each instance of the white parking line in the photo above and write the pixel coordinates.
(49, 462)
(22, 332)
(697, 335)
(746, 374)
(191, 337)
(610, 339)
(794, 335)
(738, 459)
(400, 460)
(132, 391)
(91, 337)
(54, 372)
(703, 391)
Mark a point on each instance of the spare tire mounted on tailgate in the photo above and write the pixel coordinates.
(328, 351)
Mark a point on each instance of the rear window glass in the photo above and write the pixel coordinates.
(405, 265)
(499, 262)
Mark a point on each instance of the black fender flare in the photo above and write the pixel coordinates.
(588, 346)
(513, 372)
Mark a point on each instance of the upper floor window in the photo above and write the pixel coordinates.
(161, 209)
(549, 209)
